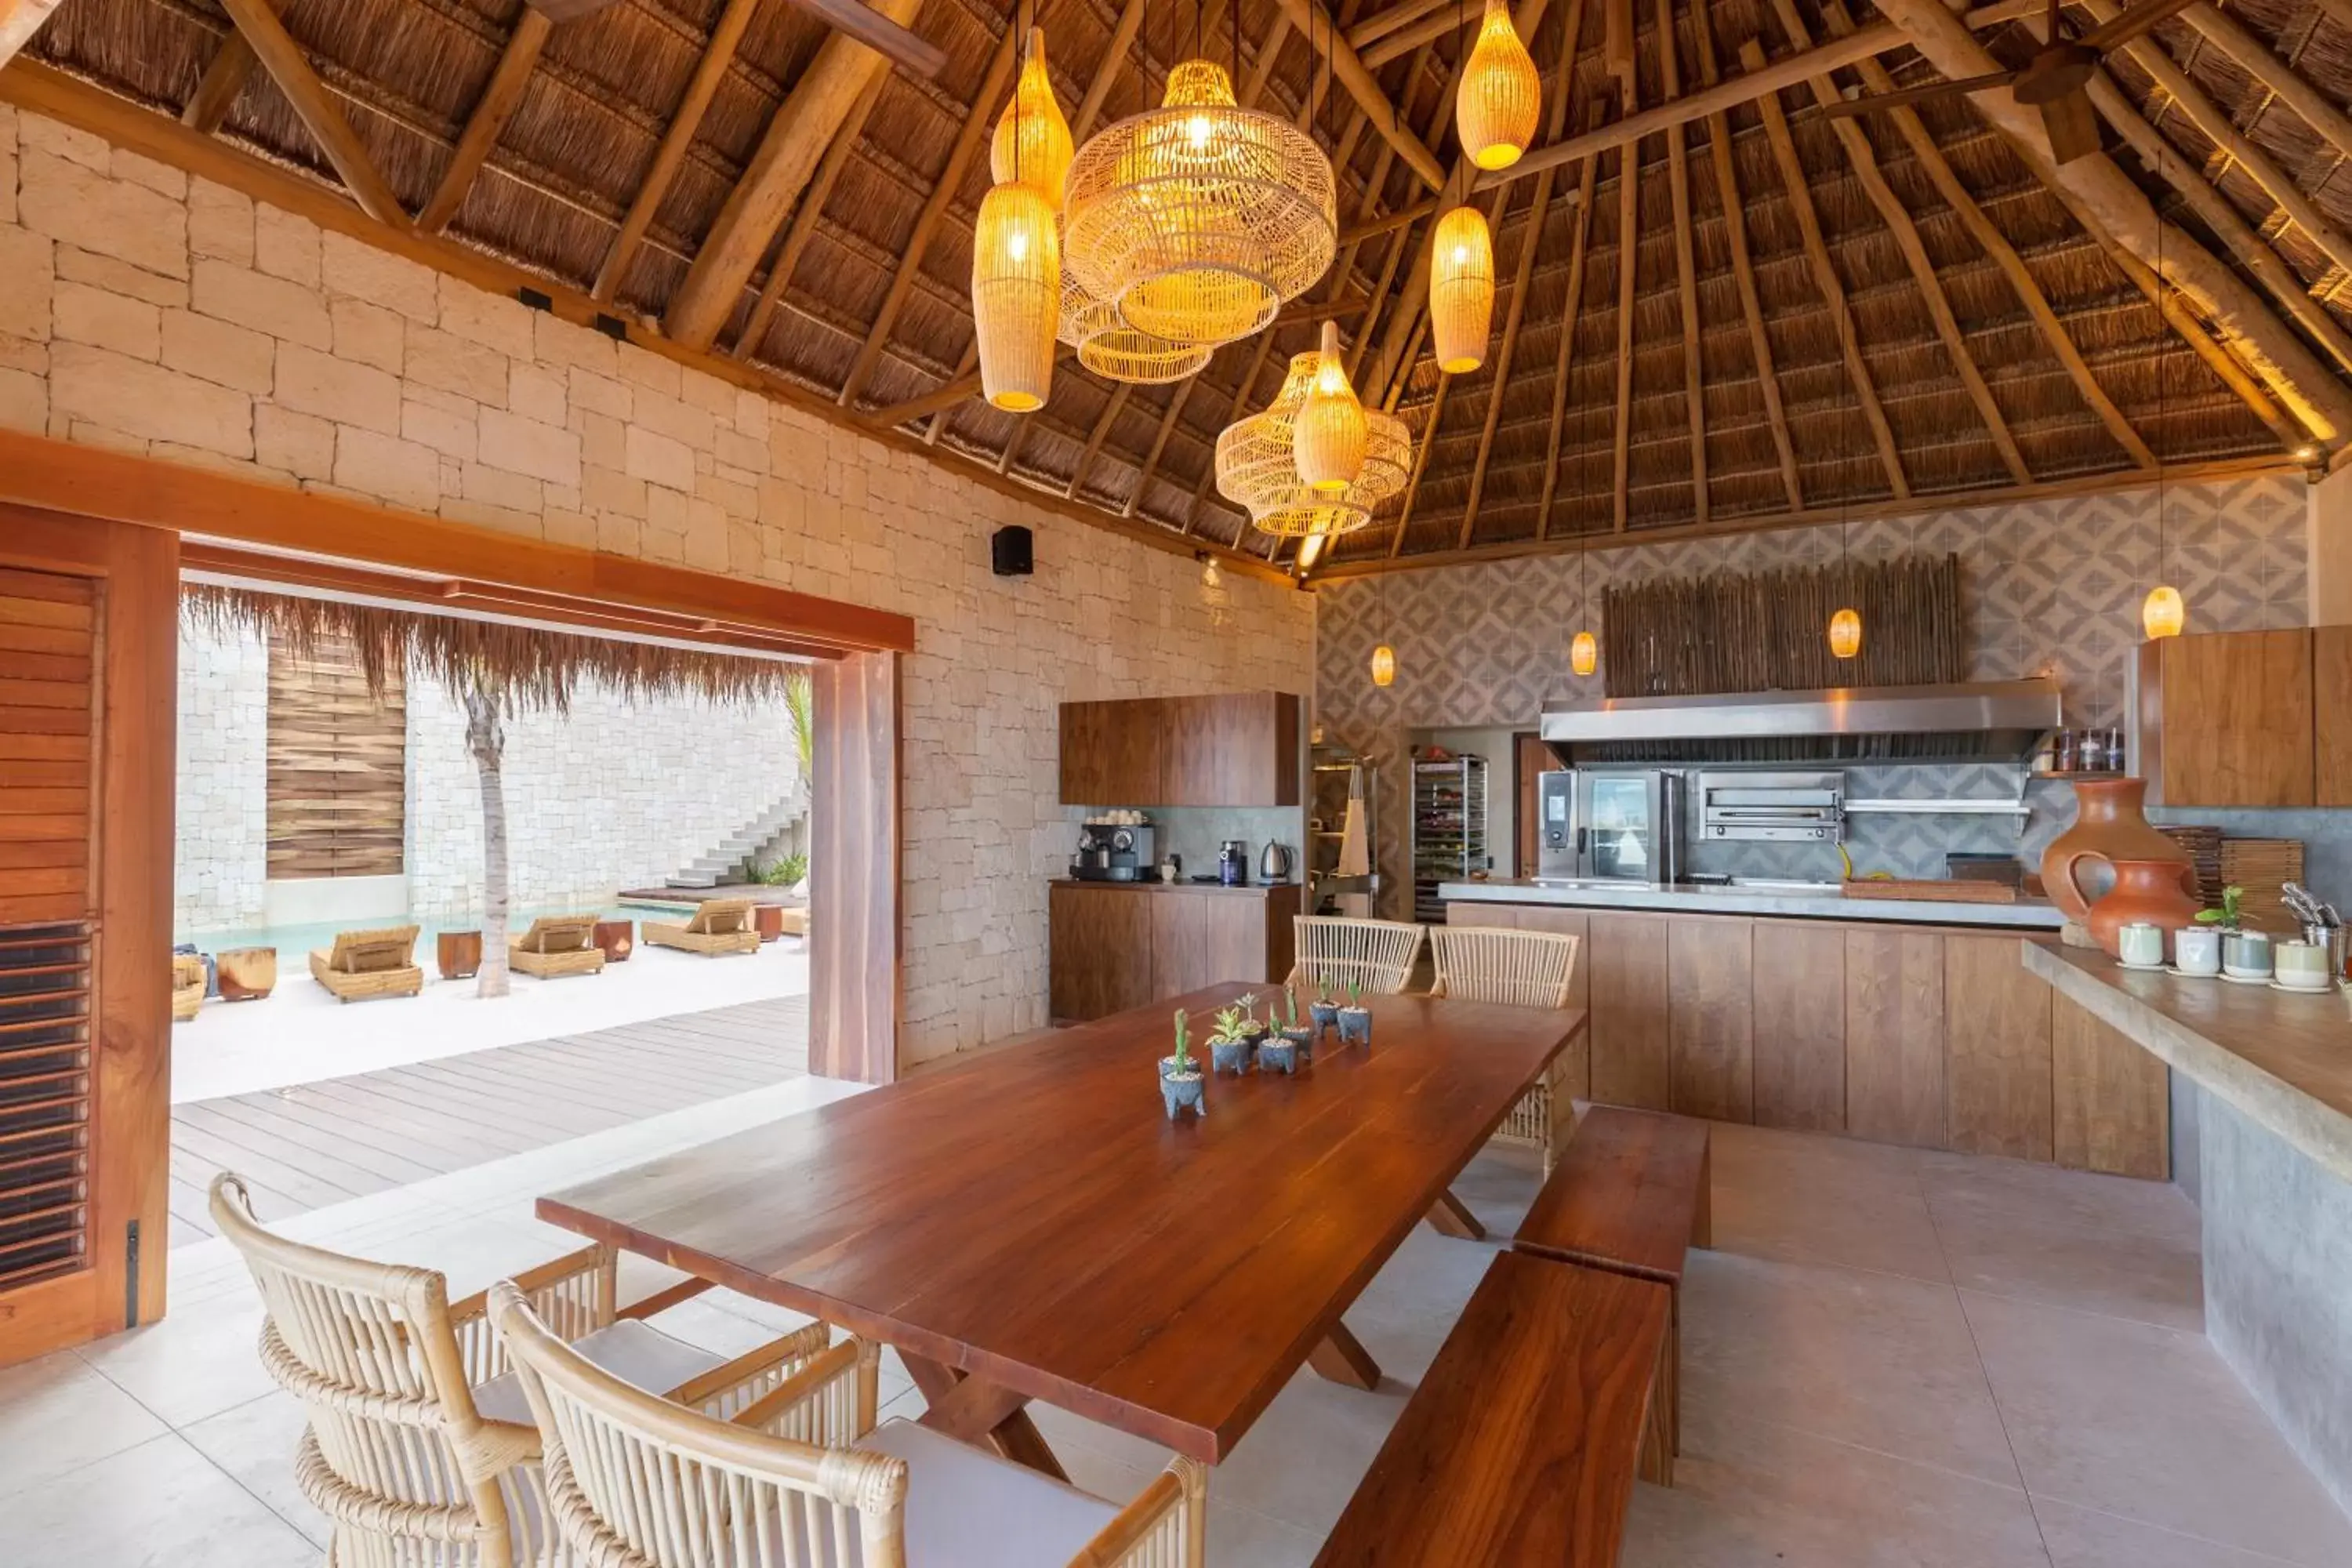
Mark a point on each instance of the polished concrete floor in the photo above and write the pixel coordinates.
(1891, 1360)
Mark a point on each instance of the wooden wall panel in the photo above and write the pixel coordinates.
(1800, 1027)
(1995, 1050)
(2331, 687)
(1894, 1036)
(338, 765)
(2236, 720)
(2111, 1100)
(854, 870)
(1711, 989)
(1630, 1044)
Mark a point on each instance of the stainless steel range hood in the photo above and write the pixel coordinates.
(2002, 721)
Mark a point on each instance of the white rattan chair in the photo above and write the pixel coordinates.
(803, 1476)
(1519, 969)
(421, 1449)
(1378, 955)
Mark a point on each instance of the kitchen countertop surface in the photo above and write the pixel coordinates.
(2283, 1061)
(1246, 888)
(2026, 914)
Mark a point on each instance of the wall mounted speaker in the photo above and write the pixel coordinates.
(1008, 550)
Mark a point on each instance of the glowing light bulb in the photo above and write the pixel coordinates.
(1383, 665)
(1584, 654)
(1197, 130)
(1845, 633)
(2163, 614)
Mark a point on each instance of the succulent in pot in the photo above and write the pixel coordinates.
(1229, 1048)
(1181, 1082)
(1355, 1018)
(1324, 1010)
(1283, 1051)
(1297, 1033)
(1251, 1025)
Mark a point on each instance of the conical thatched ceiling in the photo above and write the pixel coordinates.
(1995, 342)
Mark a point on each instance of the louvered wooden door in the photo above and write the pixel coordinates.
(88, 638)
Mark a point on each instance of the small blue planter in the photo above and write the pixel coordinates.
(1324, 1015)
(1230, 1056)
(1280, 1055)
(1303, 1038)
(1355, 1025)
(1182, 1091)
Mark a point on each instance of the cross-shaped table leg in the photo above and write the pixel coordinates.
(973, 1410)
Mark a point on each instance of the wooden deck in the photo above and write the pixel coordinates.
(319, 1143)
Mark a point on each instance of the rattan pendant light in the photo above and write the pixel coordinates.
(1501, 96)
(1462, 290)
(1257, 465)
(1846, 625)
(1110, 348)
(1200, 218)
(1033, 139)
(2164, 613)
(1332, 433)
(1016, 272)
(1584, 649)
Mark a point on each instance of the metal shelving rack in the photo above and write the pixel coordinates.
(1449, 829)
(1326, 809)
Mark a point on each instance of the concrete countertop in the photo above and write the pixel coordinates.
(2026, 914)
(2283, 1061)
(1250, 890)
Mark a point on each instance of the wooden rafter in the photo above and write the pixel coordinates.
(282, 58)
(1864, 160)
(1420, 451)
(488, 121)
(788, 154)
(805, 219)
(1743, 265)
(1383, 23)
(945, 395)
(1686, 262)
(1564, 357)
(1159, 443)
(1321, 31)
(225, 77)
(977, 123)
(1114, 62)
(718, 56)
(1095, 438)
(2281, 80)
(1996, 245)
(1629, 248)
(1399, 249)
(1825, 277)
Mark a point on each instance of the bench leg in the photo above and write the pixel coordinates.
(1703, 1215)
(1342, 1358)
(1453, 1217)
(973, 1410)
(1658, 1439)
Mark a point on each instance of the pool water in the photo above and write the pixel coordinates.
(291, 942)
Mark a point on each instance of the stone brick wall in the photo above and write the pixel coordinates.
(220, 870)
(147, 310)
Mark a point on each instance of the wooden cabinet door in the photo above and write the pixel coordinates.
(1710, 966)
(1086, 755)
(1894, 1036)
(2331, 685)
(2112, 1100)
(1997, 1021)
(1631, 1045)
(1200, 939)
(1111, 753)
(1800, 1027)
(1231, 749)
(2237, 720)
(1099, 961)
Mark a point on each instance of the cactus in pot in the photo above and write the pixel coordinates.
(1355, 1018)
(1299, 1034)
(1324, 1010)
(1181, 1082)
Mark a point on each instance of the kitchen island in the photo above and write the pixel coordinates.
(2264, 1083)
(1780, 900)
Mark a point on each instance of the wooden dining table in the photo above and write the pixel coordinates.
(1029, 1225)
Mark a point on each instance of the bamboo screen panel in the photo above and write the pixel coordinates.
(338, 765)
(1770, 631)
(48, 643)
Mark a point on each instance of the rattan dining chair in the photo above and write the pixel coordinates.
(1378, 955)
(1520, 969)
(804, 1476)
(420, 1450)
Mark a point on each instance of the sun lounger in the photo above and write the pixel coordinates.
(558, 945)
(721, 925)
(364, 964)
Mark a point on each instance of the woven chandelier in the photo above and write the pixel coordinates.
(1331, 436)
(1199, 219)
(1257, 465)
(1109, 347)
(1501, 96)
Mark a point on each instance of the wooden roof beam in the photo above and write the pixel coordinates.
(789, 151)
(282, 58)
(488, 121)
(1686, 262)
(1095, 438)
(669, 157)
(1421, 449)
(1159, 444)
(1619, 49)
(1864, 160)
(1385, 23)
(1321, 31)
(1565, 356)
(1825, 277)
(2116, 209)
(225, 78)
(805, 219)
(19, 20)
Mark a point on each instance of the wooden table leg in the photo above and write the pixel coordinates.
(1342, 1358)
(974, 1409)
(1453, 1217)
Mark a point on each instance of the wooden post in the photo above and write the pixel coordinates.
(854, 871)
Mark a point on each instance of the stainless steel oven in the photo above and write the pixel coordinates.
(1783, 808)
(1619, 824)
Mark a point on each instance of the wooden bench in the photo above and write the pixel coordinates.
(1520, 1445)
(1630, 1195)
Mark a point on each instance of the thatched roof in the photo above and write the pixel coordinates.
(566, 167)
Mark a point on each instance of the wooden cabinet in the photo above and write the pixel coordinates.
(1711, 989)
(1995, 1050)
(2228, 718)
(1119, 945)
(1230, 749)
(1894, 1036)
(2111, 1101)
(1632, 1045)
(1799, 1026)
(2331, 686)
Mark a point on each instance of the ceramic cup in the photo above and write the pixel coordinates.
(2197, 950)
(2141, 944)
(2247, 954)
(2303, 966)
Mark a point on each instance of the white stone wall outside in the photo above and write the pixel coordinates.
(220, 857)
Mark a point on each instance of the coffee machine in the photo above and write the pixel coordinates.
(1233, 863)
(1113, 852)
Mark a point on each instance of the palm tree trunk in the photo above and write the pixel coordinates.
(486, 740)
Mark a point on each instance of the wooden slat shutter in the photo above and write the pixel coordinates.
(337, 765)
(47, 646)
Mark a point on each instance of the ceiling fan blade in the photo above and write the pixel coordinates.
(1848, 107)
(2073, 125)
(2125, 26)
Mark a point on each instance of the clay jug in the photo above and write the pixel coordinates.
(2108, 826)
(2146, 890)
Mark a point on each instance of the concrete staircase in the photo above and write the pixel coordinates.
(729, 859)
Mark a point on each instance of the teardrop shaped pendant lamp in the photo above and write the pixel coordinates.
(1257, 465)
(1501, 96)
(1462, 290)
(1033, 139)
(1016, 295)
(1332, 433)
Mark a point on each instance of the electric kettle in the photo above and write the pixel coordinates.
(1274, 863)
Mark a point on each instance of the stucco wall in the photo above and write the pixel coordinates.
(220, 857)
(170, 316)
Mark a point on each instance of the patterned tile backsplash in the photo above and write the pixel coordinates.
(2051, 587)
